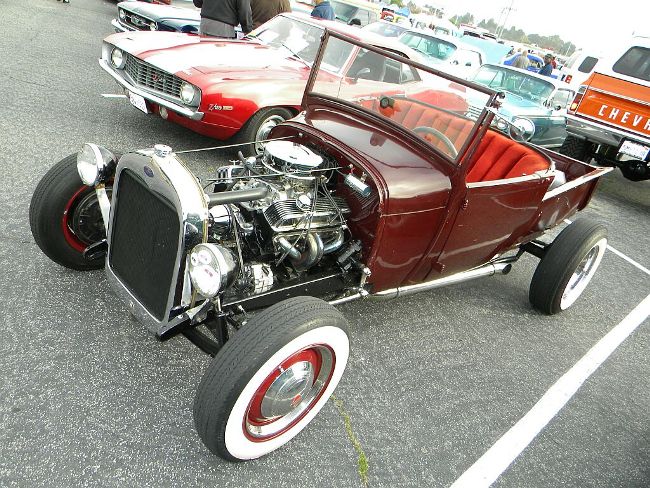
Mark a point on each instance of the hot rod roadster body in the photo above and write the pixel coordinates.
(375, 190)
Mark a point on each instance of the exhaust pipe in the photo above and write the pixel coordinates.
(485, 270)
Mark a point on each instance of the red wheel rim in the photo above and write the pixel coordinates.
(304, 377)
(70, 237)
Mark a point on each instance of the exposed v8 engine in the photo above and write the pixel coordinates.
(297, 221)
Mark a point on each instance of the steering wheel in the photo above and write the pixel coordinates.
(439, 135)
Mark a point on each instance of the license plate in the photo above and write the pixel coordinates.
(138, 102)
(634, 149)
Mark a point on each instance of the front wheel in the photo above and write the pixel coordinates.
(257, 128)
(271, 379)
(568, 266)
(65, 217)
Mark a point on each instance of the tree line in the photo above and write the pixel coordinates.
(551, 43)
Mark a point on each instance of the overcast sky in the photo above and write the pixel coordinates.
(586, 23)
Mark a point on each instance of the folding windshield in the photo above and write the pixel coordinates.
(516, 85)
(429, 106)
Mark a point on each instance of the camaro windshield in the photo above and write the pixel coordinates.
(514, 82)
(429, 106)
(302, 40)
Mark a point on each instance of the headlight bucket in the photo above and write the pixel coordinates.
(95, 164)
(213, 268)
(188, 93)
(118, 60)
(522, 129)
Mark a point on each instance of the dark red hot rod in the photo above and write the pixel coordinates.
(379, 188)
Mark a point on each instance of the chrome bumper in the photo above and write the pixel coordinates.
(179, 109)
(120, 27)
(599, 133)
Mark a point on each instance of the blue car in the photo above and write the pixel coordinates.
(133, 16)
(528, 97)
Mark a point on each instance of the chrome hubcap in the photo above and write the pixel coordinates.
(288, 390)
(583, 274)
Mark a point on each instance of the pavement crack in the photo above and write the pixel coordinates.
(362, 460)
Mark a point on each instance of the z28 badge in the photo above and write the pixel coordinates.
(213, 107)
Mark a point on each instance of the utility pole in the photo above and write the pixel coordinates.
(507, 11)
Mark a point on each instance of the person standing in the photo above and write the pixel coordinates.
(219, 17)
(522, 60)
(547, 69)
(264, 10)
(323, 10)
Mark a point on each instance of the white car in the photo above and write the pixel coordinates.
(445, 53)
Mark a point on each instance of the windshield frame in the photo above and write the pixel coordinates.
(314, 98)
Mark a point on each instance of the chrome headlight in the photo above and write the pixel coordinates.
(122, 14)
(153, 26)
(522, 129)
(94, 164)
(188, 92)
(212, 269)
(501, 124)
(118, 60)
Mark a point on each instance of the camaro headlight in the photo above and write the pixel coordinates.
(118, 60)
(122, 14)
(187, 93)
(212, 269)
(94, 164)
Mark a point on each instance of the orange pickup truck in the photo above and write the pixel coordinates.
(609, 119)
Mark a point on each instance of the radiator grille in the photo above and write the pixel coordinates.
(144, 243)
(148, 76)
(136, 21)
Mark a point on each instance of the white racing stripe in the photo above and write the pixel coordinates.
(496, 460)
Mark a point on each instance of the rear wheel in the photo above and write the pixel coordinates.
(568, 266)
(257, 128)
(65, 217)
(576, 148)
(271, 378)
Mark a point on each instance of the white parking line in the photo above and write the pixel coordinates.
(112, 95)
(496, 460)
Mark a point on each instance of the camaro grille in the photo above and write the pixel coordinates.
(148, 76)
(144, 243)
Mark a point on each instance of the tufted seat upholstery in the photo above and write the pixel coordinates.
(497, 156)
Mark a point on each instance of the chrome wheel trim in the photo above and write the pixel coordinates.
(264, 129)
(291, 395)
(583, 274)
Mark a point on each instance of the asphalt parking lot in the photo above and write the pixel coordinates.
(89, 398)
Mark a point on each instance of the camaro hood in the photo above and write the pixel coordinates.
(193, 55)
(161, 12)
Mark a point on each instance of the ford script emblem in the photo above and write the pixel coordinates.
(148, 171)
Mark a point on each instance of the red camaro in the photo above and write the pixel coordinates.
(222, 88)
